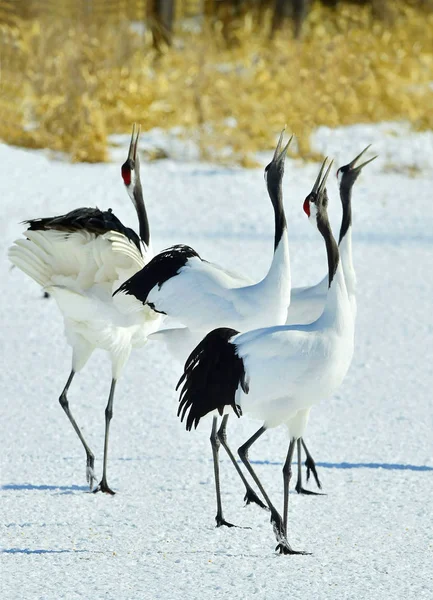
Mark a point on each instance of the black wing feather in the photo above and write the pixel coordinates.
(90, 219)
(211, 376)
(160, 269)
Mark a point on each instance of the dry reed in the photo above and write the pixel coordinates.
(66, 84)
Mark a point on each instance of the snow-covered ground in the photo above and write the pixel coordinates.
(371, 535)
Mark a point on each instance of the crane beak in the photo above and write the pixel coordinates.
(283, 152)
(352, 165)
(279, 154)
(132, 153)
(319, 184)
(321, 188)
(279, 144)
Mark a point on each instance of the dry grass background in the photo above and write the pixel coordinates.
(72, 72)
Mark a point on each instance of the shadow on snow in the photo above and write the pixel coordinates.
(28, 551)
(55, 488)
(346, 465)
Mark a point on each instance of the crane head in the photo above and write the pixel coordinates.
(317, 199)
(276, 167)
(348, 174)
(131, 167)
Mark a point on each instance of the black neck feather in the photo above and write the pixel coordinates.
(331, 245)
(346, 202)
(143, 221)
(276, 194)
(280, 226)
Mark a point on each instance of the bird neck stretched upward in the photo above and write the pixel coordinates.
(270, 297)
(345, 240)
(346, 204)
(143, 222)
(332, 252)
(280, 224)
(278, 277)
(337, 311)
(345, 249)
(337, 306)
(280, 230)
(275, 287)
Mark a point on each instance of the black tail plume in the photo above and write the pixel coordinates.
(212, 374)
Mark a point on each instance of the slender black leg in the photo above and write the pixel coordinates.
(287, 476)
(299, 488)
(103, 485)
(90, 475)
(311, 466)
(250, 495)
(215, 443)
(283, 545)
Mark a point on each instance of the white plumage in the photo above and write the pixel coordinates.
(81, 258)
(276, 374)
(183, 298)
(81, 270)
(306, 303)
(200, 296)
(195, 293)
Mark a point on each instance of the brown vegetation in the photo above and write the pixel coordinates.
(70, 77)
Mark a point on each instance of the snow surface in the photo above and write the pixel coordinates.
(371, 535)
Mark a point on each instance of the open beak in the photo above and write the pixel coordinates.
(279, 144)
(359, 167)
(319, 184)
(325, 177)
(283, 153)
(132, 153)
(279, 154)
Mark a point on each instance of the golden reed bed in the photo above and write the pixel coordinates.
(68, 80)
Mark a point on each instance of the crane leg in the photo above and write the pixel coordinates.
(215, 443)
(283, 545)
(103, 485)
(90, 475)
(250, 495)
(287, 476)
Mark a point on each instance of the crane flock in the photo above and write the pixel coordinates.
(262, 349)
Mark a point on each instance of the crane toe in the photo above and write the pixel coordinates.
(311, 469)
(251, 496)
(220, 522)
(283, 547)
(103, 487)
(305, 492)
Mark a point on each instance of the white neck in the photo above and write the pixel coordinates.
(274, 289)
(278, 275)
(337, 312)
